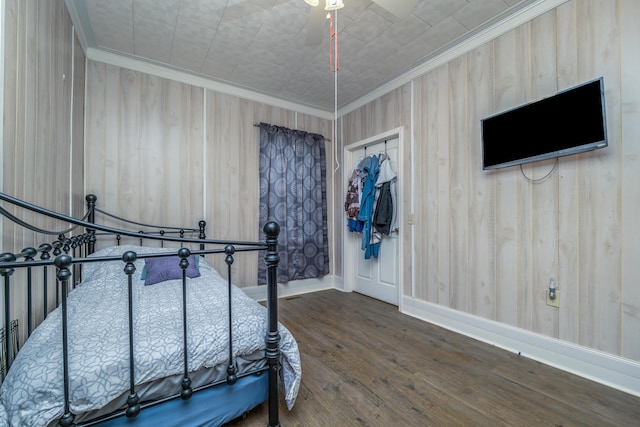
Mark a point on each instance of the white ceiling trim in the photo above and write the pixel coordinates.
(78, 17)
(457, 49)
(162, 70)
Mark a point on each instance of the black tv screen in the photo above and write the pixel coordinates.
(569, 122)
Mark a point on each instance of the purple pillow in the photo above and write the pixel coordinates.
(168, 268)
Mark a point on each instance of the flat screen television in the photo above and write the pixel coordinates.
(569, 122)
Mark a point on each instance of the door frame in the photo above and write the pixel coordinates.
(349, 256)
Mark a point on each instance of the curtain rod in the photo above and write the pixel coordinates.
(258, 125)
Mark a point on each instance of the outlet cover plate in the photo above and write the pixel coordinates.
(554, 302)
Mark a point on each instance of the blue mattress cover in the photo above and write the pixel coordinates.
(207, 408)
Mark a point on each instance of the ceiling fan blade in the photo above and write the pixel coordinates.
(400, 8)
(315, 26)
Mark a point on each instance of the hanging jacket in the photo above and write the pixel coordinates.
(371, 169)
(384, 210)
(386, 214)
(352, 200)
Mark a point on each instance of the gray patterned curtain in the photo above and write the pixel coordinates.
(293, 193)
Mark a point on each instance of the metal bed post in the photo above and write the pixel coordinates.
(63, 262)
(271, 261)
(29, 253)
(231, 368)
(6, 273)
(187, 391)
(202, 224)
(45, 248)
(133, 407)
(91, 204)
(57, 251)
(76, 270)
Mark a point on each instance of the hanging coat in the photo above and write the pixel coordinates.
(385, 218)
(371, 169)
(352, 201)
(384, 210)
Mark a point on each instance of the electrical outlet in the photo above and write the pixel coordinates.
(554, 302)
(411, 219)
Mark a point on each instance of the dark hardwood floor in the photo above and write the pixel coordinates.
(365, 364)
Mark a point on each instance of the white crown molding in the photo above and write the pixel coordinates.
(604, 368)
(458, 48)
(80, 19)
(163, 70)
(78, 14)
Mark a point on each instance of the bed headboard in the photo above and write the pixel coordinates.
(142, 230)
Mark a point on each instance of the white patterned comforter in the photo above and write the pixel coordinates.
(32, 394)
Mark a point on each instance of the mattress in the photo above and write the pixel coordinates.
(33, 394)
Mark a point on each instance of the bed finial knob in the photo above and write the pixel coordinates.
(62, 261)
(129, 257)
(187, 391)
(56, 247)
(229, 250)
(29, 253)
(184, 253)
(7, 257)
(66, 420)
(231, 375)
(44, 249)
(133, 407)
(271, 229)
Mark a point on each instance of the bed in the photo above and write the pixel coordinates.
(142, 335)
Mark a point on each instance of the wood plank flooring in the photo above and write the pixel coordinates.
(365, 364)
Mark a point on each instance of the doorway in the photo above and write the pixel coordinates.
(374, 277)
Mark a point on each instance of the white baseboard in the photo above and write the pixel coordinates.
(297, 287)
(613, 371)
(610, 370)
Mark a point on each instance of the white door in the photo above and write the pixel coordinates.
(376, 277)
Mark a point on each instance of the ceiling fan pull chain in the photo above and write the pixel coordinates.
(333, 39)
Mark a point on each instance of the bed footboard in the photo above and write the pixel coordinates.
(67, 267)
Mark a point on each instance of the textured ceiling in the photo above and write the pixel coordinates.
(259, 45)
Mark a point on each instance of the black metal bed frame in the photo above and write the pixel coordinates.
(61, 254)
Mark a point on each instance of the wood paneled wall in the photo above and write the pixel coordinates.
(144, 146)
(487, 243)
(43, 121)
(164, 152)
